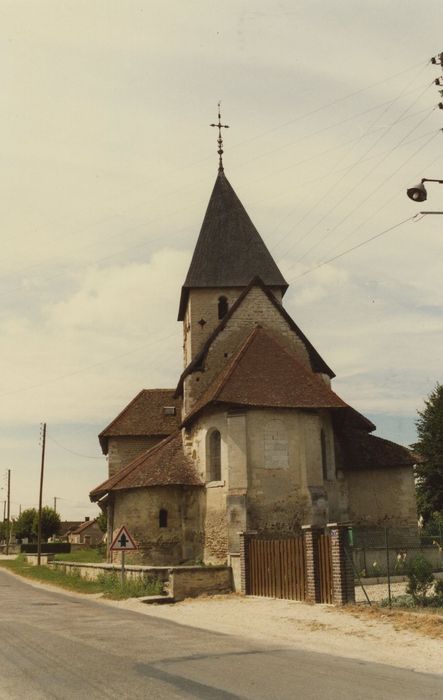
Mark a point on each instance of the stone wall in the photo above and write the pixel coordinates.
(180, 541)
(382, 497)
(255, 309)
(122, 450)
(286, 488)
(189, 583)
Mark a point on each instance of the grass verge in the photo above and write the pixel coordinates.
(87, 556)
(46, 575)
(108, 584)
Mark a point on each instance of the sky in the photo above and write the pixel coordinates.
(108, 165)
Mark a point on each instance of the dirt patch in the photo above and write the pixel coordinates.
(429, 624)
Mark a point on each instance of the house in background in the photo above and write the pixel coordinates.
(87, 533)
(253, 437)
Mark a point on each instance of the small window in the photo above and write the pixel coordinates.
(214, 456)
(163, 518)
(169, 410)
(222, 307)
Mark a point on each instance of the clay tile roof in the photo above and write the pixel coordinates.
(263, 373)
(363, 451)
(68, 526)
(317, 362)
(163, 465)
(83, 526)
(145, 415)
(229, 250)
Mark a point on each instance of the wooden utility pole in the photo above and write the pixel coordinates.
(8, 513)
(39, 536)
(55, 503)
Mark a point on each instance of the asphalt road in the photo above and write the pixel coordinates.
(57, 646)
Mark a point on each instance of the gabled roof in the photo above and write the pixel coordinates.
(83, 526)
(144, 415)
(67, 526)
(263, 373)
(229, 250)
(363, 451)
(317, 362)
(163, 465)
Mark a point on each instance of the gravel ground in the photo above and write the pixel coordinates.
(319, 628)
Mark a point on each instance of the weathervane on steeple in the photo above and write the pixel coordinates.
(220, 126)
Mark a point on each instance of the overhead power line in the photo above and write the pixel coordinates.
(355, 247)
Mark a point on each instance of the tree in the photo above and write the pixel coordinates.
(50, 523)
(24, 524)
(102, 521)
(429, 447)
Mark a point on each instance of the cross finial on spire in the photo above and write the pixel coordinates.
(220, 126)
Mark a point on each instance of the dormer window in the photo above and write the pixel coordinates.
(169, 410)
(222, 307)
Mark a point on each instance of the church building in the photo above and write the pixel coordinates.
(253, 437)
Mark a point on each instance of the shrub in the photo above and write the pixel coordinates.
(420, 579)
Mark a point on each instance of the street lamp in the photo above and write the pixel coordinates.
(418, 192)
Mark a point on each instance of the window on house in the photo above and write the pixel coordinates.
(163, 518)
(214, 456)
(324, 454)
(222, 307)
(169, 410)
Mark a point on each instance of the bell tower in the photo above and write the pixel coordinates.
(229, 253)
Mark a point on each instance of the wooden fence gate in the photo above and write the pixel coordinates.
(277, 568)
(325, 568)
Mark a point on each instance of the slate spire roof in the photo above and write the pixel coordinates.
(229, 250)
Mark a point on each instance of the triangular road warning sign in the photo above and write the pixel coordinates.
(123, 541)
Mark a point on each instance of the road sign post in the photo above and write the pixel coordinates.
(123, 542)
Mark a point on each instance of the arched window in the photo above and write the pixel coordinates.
(222, 307)
(163, 517)
(324, 454)
(214, 456)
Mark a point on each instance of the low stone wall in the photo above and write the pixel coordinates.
(179, 581)
(190, 582)
(45, 559)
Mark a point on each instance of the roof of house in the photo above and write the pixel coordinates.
(263, 373)
(145, 415)
(68, 526)
(197, 363)
(364, 451)
(229, 249)
(84, 526)
(163, 465)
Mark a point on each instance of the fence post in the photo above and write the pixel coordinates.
(245, 575)
(343, 590)
(311, 536)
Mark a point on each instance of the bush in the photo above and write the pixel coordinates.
(420, 579)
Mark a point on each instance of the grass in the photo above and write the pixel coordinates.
(87, 556)
(422, 620)
(109, 585)
(71, 582)
(132, 587)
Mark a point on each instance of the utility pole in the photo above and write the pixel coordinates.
(39, 536)
(8, 515)
(55, 503)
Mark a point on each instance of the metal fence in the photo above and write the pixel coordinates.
(381, 558)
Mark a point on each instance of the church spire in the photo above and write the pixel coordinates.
(220, 151)
(229, 251)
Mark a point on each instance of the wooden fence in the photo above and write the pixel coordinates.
(277, 568)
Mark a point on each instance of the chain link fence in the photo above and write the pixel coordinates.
(381, 558)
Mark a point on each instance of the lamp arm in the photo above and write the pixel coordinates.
(427, 179)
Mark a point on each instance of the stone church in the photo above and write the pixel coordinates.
(253, 437)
